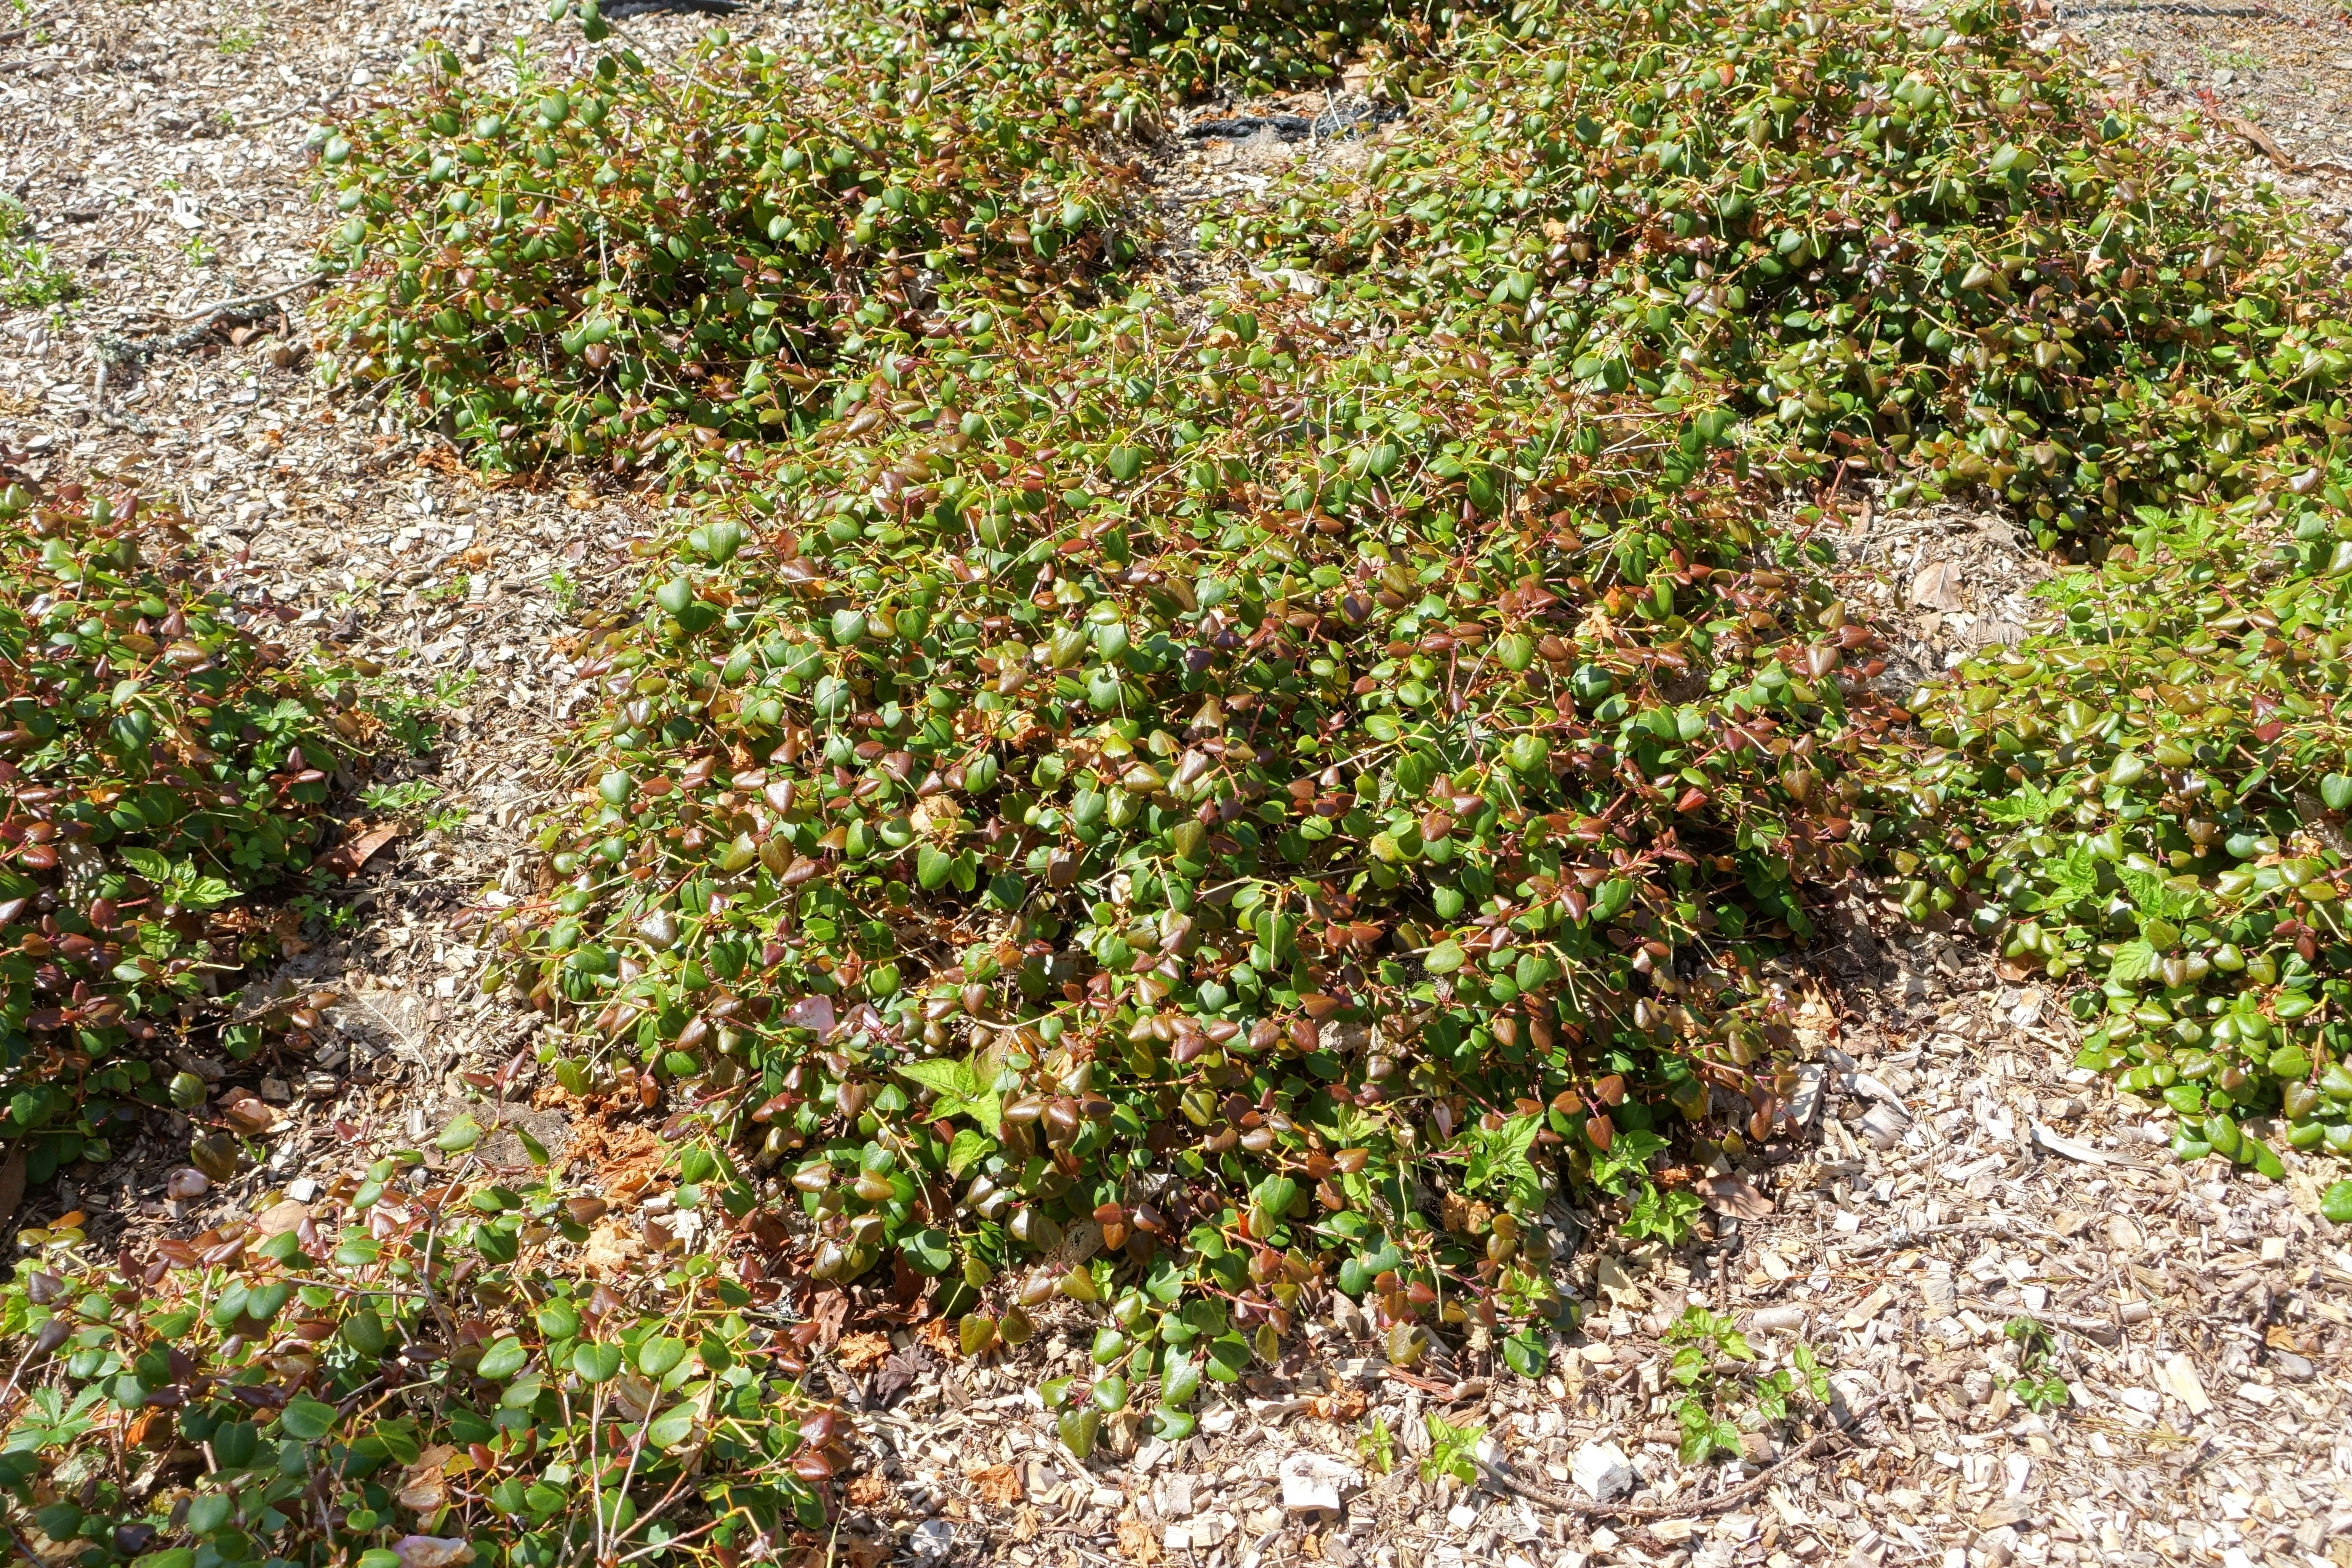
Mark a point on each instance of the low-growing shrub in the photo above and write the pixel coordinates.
(1916, 246)
(162, 759)
(433, 1383)
(639, 266)
(2149, 800)
(1102, 833)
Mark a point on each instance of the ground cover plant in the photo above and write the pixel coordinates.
(440, 1369)
(163, 759)
(636, 267)
(1196, 48)
(1215, 854)
(2149, 800)
(1913, 246)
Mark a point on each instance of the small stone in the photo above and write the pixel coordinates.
(1462, 1516)
(302, 1189)
(1350, 1321)
(1602, 1472)
(2290, 1366)
(1938, 1295)
(276, 1091)
(1313, 1480)
(931, 1540)
(1777, 1320)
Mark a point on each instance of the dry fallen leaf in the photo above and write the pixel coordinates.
(828, 1311)
(940, 1336)
(1734, 1195)
(862, 1352)
(867, 1489)
(1939, 588)
(998, 1486)
(423, 1490)
(346, 858)
(280, 1216)
(1339, 1405)
(610, 1250)
(1135, 1542)
(11, 1181)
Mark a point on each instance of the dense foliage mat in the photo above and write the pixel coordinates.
(639, 266)
(1914, 246)
(163, 760)
(441, 1370)
(2152, 797)
(1215, 837)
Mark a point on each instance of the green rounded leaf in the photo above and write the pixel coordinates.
(596, 1363)
(502, 1360)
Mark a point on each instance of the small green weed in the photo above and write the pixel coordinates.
(1453, 1451)
(1708, 1361)
(2040, 1389)
(1377, 1446)
(28, 277)
(1656, 1213)
(411, 795)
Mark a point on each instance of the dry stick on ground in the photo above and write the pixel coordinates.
(1723, 1500)
(2269, 149)
(237, 304)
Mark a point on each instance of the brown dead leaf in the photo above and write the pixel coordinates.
(1135, 1542)
(281, 1216)
(998, 1486)
(346, 858)
(863, 1351)
(1735, 1195)
(423, 1490)
(940, 1336)
(1939, 588)
(610, 1250)
(829, 1310)
(867, 1489)
(1339, 1405)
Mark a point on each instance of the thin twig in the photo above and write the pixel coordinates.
(1550, 1500)
(217, 308)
